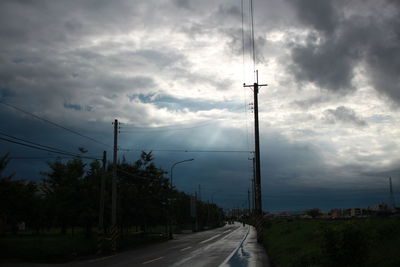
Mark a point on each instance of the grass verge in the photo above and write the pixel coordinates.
(353, 242)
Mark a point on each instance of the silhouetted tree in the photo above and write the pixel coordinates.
(63, 191)
(18, 199)
(313, 212)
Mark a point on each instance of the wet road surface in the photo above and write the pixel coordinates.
(231, 245)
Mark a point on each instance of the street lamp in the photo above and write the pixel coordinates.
(173, 165)
(171, 175)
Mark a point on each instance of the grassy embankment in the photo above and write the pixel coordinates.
(355, 242)
(52, 246)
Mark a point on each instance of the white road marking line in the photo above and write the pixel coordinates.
(146, 262)
(185, 248)
(100, 259)
(211, 238)
(227, 231)
(230, 234)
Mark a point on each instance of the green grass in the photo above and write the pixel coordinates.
(54, 247)
(356, 242)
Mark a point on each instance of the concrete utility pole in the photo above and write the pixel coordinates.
(392, 202)
(114, 228)
(258, 208)
(248, 200)
(196, 226)
(199, 192)
(100, 237)
(253, 186)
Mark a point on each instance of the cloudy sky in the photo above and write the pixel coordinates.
(172, 72)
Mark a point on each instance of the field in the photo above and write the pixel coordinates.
(352, 242)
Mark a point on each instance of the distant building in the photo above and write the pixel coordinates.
(355, 212)
(380, 207)
(336, 213)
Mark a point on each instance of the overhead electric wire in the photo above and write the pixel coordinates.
(54, 124)
(45, 148)
(243, 43)
(252, 35)
(38, 158)
(244, 89)
(249, 164)
(30, 142)
(188, 151)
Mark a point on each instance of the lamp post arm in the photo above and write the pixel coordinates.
(173, 165)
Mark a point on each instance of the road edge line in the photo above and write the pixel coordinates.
(236, 249)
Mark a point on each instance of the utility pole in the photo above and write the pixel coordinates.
(392, 203)
(114, 228)
(253, 185)
(100, 237)
(199, 192)
(258, 208)
(196, 226)
(248, 200)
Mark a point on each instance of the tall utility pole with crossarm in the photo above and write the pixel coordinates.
(114, 228)
(258, 206)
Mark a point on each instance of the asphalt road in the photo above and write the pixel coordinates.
(231, 245)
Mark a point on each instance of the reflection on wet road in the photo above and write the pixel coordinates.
(232, 245)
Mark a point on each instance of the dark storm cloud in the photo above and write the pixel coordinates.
(318, 14)
(16, 123)
(182, 3)
(235, 44)
(343, 115)
(56, 79)
(54, 23)
(343, 41)
(230, 10)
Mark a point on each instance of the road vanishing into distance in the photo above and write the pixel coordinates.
(231, 245)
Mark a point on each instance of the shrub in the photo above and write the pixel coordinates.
(345, 245)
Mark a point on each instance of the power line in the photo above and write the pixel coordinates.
(252, 34)
(38, 158)
(40, 147)
(244, 76)
(188, 151)
(30, 142)
(54, 124)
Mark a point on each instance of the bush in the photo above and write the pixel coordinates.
(345, 245)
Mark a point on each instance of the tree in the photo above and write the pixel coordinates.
(314, 212)
(143, 193)
(18, 199)
(63, 191)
